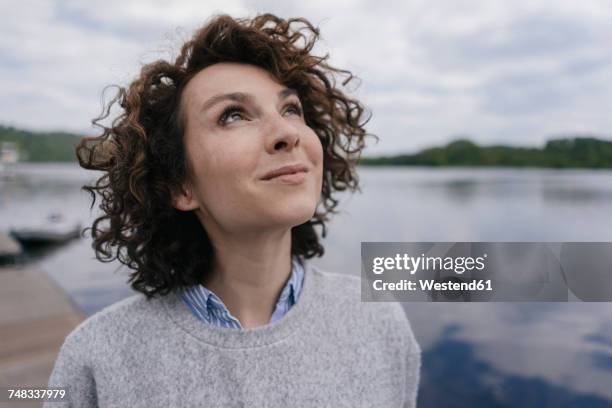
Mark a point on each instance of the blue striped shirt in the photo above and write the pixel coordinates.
(209, 308)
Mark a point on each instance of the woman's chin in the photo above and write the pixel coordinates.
(295, 217)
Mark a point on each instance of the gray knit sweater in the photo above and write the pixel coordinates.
(329, 350)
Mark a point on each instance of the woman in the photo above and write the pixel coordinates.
(213, 174)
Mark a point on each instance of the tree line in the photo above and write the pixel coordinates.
(585, 152)
(41, 146)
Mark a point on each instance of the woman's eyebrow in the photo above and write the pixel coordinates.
(286, 92)
(241, 97)
(234, 96)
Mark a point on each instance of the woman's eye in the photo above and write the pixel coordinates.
(231, 114)
(294, 108)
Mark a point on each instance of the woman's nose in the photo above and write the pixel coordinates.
(281, 134)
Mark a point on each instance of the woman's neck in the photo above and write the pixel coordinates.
(249, 275)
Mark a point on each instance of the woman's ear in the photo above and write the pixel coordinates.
(183, 199)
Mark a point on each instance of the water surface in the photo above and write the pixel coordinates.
(498, 354)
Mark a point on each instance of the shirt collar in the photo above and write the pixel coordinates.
(210, 308)
(294, 284)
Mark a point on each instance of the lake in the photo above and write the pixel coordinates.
(487, 354)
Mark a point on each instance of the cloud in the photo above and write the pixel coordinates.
(512, 72)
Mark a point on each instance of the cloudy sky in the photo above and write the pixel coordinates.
(515, 72)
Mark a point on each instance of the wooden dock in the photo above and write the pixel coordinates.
(35, 317)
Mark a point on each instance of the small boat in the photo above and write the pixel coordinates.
(55, 231)
(9, 247)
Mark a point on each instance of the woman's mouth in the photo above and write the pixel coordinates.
(291, 174)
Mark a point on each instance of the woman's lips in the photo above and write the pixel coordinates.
(290, 174)
(293, 178)
(292, 168)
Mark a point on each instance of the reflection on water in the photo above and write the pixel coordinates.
(460, 379)
(499, 354)
(509, 355)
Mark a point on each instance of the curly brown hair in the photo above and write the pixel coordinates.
(143, 160)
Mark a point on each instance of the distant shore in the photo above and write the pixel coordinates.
(573, 151)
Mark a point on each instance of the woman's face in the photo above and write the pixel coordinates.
(242, 124)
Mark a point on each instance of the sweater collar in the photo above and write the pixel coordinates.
(299, 317)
